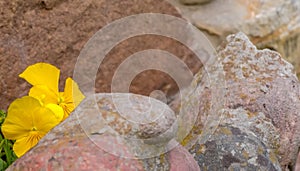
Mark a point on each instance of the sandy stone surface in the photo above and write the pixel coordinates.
(55, 32)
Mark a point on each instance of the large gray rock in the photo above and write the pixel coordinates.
(258, 127)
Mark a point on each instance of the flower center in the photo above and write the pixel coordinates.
(34, 129)
(33, 138)
(60, 99)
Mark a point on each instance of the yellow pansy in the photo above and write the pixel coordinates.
(27, 122)
(44, 79)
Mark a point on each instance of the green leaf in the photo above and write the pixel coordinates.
(2, 116)
(7, 151)
(7, 155)
(3, 165)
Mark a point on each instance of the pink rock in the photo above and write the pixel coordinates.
(181, 159)
(75, 154)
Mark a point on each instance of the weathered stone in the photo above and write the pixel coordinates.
(268, 23)
(87, 141)
(261, 109)
(78, 153)
(230, 148)
(54, 31)
(142, 122)
(273, 89)
(180, 159)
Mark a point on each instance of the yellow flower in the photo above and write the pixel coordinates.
(44, 79)
(27, 122)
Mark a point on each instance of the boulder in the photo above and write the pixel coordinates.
(255, 125)
(54, 31)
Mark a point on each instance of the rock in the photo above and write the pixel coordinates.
(230, 148)
(181, 159)
(55, 31)
(87, 141)
(142, 122)
(268, 24)
(81, 153)
(189, 2)
(273, 90)
(258, 127)
(78, 153)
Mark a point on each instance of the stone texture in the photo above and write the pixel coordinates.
(78, 153)
(54, 31)
(85, 141)
(233, 149)
(81, 153)
(258, 127)
(268, 23)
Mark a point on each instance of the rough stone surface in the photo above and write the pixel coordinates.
(273, 24)
(273, 89)
(78, 153)
(233, 149)
(142, 122)
(54, 31)
(261, 110)
(85, 142)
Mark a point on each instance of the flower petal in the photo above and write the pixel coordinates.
(44, 120)
(27, 122)
(57, 110)
(42, 74)
(19, 118)
(26, 114)
(72, 96)
(44, 94)
(72, 92)
(21, 146)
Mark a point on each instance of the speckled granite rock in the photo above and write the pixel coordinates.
(271, 24)
(259, 126)
(80, 153)
(97, 137)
